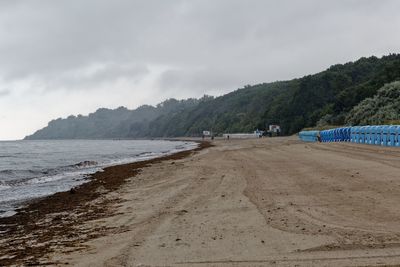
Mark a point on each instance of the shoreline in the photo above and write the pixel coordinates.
(258, 202)
(48, 223)
(62, 174)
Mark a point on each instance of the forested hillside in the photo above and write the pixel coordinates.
(383, 108)
(108, 123)
(324, 98)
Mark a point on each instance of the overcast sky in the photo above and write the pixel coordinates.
(73, 56)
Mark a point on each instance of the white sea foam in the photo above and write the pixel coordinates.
(7, 214)
(60, 176)
(4, 187)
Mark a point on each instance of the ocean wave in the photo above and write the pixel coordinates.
(45, 179)
(85, 164)
(76, 175)
(20, 174)
(48, 173)
(4, 187)
(7, 171)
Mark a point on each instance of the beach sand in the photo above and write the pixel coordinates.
(261, 202)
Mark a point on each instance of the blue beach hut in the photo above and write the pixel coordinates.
(357, 134)
(368, 135)
(375, 139)
(362, 135)
(309, 136)
(323, 136)
(353, 134)
(392, 136)
(378, 138)
(348, 134)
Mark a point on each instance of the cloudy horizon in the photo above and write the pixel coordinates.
(73, 57)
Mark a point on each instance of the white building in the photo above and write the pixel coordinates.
(241, 135)
(274, 128)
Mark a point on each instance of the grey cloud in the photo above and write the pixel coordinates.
(201, 80)
(180, 48)
(4, 92)
(94, 76)
(115, 71)
(42, 37)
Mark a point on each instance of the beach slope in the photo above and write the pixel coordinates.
(274, 201)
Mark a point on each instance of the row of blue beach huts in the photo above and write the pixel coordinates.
(383, 135)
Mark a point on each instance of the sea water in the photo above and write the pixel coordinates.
(33, 169)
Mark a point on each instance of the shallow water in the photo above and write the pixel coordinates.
(31, 169)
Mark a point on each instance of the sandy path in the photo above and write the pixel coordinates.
(262, 202)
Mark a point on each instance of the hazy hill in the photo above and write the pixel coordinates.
(323, 98)
(110, 123)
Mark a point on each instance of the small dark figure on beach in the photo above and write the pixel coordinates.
(212, 137)
(202, 136)
(227, 137)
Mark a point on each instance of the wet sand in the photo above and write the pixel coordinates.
(59, 222)
(264, 202)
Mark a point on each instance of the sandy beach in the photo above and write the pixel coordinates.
(264, 202)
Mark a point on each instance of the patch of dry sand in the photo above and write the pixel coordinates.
(263, 202)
